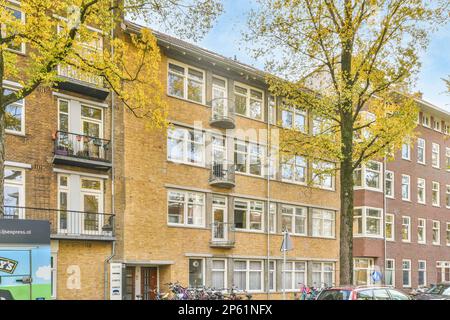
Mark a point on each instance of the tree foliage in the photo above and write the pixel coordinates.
(350, 63)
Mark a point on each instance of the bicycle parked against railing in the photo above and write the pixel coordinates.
(178, 292)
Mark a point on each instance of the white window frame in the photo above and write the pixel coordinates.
(20, 186)
(421, 185)
(422, 269)
(426, 120)
(247, 214)
(224, 270)
(294, 111)
(363, 169)
(322, 220)
(448, 234)
(248, 154)
(292, 163)
(364, 218)
(185, 212)
(421, 145)
(272, 226)
(392, 224)
(295, 287)
(392, 180)
(409, 273)
(408, 225)
(247, 274)
(447, 157)
(322, 273)
(434, 229)
(248, 98)
(436, 188)
(15, 5)
(272, 109)
(409, 187)
(392, 269)
(422, 225)
(408, 146)
(437, 124)
(22, 118)
(185, 76)
(320, 164)
(203, 270)
(294, 214)
(272, 273)
(186, 144)
(436, 152)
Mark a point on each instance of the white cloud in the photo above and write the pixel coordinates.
(44, 272)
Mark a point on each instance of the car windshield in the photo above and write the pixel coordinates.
(334, 295)
(436, 289)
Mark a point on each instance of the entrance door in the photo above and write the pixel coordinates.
(149, 282)
(15, 275)
(219, 219)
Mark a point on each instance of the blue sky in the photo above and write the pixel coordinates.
(225, 39)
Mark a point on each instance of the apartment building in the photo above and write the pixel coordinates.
(58, 169)
(204, 203)
(402, 209)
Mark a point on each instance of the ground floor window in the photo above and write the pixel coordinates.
(443, 271)
(389, 277)
(248, 275)
(294, 275)
(218, 274)
(362, 268)
(196, 273)
(322, 274)
(406, 273)
(422, 273)
(272, 276)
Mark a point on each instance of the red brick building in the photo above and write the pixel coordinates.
(402, 210)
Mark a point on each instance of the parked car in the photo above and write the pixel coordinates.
(362, 293)
(439, 291)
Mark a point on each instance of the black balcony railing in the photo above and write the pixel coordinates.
(82, 147)
(66, 222)
(222, 175)
(222, 235)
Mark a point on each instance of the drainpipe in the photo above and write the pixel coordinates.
(113, 249)
(269, 153)
(384, 218)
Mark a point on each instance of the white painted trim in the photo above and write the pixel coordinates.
(199, 255)
(80, 173)
(12, 84)
(90, 102)
(17, 164)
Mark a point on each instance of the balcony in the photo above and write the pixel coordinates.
(222, 176)
(82, 151)
(66, 224)
(222, 113)
(222, 235)
(82, 82)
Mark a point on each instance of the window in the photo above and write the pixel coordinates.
(421, 231)
(447, 196)
(447, 156)
(14, 192)
(421, 151)
(219, 274)
(362, 269)
(294, 274)
(196, 273)
(323, 223)
(406, 190)
(248, 214)
(186, 82)
(437, 124)
(390, 227)
(373, 175)
(422, 279)
(248, 275)
(186, 208)
(406, 151)
(323, 173)
(421, 193)
(435, 161)
(390, 273)
(294, 220)
(425, 120)
(248, 157)
(367, 222)
(15, 46)
(248, 101)
(273, 163)
(272, 217)
(369, 176)
(406, 229)
(219, 96)
(272, 276)
(272, 110)
(389, 180)
(293, 118)
(435, 194)
(448, 234)
(322, 274)
(406, 272)
(320, 126)
(186, 146)
(436, 232)
(15, 115)
(294, 169)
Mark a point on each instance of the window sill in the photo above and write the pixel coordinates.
(250, 231)
(406, 241)
(250, 175)
(15, 133)
(406, 200)
(367, 236)
(174, 225)
(422, 163)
